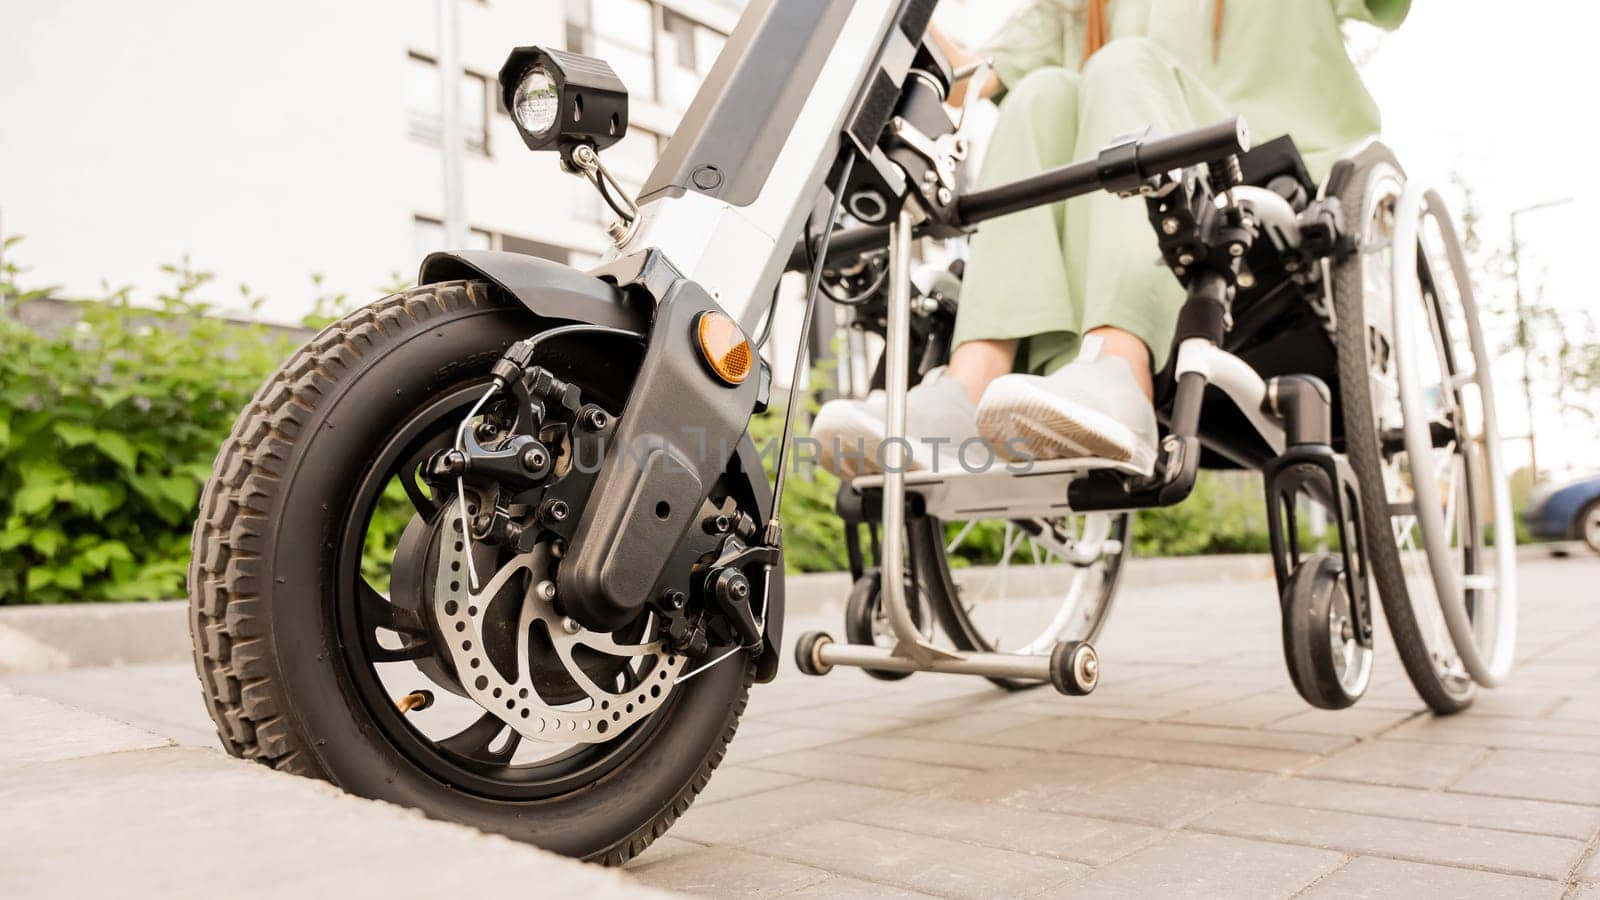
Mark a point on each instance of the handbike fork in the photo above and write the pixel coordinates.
(675, 436)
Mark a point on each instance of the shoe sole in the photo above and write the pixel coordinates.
(847, 427)
(1052, 428)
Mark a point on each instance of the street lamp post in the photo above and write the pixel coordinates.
(1523, 343)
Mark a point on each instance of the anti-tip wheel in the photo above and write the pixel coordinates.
(1074, 668)
(806, 648)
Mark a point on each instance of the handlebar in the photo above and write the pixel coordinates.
(1115, 168)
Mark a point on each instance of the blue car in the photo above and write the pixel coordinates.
(1566, 510)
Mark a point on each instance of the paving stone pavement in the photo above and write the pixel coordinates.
(1194, 771)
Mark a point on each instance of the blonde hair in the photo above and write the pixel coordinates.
(1097, 28)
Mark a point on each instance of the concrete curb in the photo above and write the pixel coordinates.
(85, 635)
(177, 821)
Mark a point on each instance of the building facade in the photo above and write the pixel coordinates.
(268, 143)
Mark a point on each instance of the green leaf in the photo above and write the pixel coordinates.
(118, 448)
(98, 500)
(73, 434)
(15, 535)
(101, 555)
(5, 430)
(35, 497)
(47, 541)
(40, 577)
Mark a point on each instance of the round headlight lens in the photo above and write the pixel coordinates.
(535, 104)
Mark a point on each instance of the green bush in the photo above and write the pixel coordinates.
(108, 428)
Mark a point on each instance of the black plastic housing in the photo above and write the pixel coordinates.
(593, 100)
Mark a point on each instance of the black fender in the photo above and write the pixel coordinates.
(554, 291)
(548, 289)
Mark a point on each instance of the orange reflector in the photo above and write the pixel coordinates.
(725, 348)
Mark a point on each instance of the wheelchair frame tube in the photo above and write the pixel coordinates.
(1147, 158)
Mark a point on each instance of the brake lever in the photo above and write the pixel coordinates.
(978, 72)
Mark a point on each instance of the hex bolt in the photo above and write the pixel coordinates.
(676, 599)
(569, 626)
(1169, 225)
(1236, 249)
(486, 431)
(534, 459)
(452, 463)
(557, 510)
(1186, 259)
(597, 419)
(740, 588)
(945, 196)
(545, 590)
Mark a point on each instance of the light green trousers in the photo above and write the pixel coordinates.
(1048, 275)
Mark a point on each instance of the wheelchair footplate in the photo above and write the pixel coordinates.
(1015, 490)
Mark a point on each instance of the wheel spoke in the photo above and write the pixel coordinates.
(960, 536)
(475, 740)
(378, 613)
(421, 498)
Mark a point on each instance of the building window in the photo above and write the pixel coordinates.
(621, 32)
(680, 38)
(427, 236)
(422, 96)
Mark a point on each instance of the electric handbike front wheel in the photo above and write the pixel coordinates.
(1023, 586)
(340, 632)
(1422, 435)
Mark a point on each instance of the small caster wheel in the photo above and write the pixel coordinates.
(866, 623)
(1074, 668)
(806, 648)
(1327, 663)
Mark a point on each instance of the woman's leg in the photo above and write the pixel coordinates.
(1015, 286)
(1099, 405)
(1113, 259)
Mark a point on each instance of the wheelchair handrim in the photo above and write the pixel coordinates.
(1451, 555)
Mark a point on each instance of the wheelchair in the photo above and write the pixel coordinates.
(1330, 340)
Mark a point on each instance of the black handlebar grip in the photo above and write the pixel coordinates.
(1196, 147)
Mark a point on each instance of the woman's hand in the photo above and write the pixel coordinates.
(959, 57)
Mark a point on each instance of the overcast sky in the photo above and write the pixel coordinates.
(1504, 93)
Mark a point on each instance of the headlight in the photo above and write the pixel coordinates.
(537, 104)
(560, 100)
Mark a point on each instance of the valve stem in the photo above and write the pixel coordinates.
(416, 700)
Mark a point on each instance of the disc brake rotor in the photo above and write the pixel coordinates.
(462, 613)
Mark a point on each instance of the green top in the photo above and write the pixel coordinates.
(1281, 64)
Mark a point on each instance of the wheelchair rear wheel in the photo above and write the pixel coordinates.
(1021, 586)
(1422, 435)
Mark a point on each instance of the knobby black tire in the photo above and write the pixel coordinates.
(1363, 446)
(257, 648)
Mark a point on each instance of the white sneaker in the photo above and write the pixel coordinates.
(940, 419)
(1092, 407)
